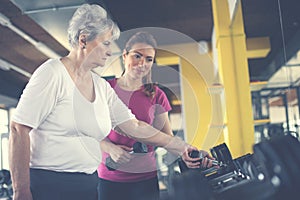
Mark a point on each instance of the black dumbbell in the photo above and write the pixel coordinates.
(198, 154)
(138, 147)
(222, 154)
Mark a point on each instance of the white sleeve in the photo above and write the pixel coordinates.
(38, 97)
(119, 112)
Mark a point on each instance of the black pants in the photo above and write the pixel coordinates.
(141, 190)
(51, 185)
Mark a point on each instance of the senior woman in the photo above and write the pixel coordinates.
(66, 110)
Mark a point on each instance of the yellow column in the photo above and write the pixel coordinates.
(258, 47)
(234, 75)
(196, 74)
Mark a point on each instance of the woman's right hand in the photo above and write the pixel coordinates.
(205, 161)
(120, 153)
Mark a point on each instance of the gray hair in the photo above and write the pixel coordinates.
(91, 20)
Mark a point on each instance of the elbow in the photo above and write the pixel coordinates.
(17, 129)
(143, 132)
(128, 127)
(18, 138)
(13, 127)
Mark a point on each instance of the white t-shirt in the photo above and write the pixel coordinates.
(66, 126)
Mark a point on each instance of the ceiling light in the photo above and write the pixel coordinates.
(4, 65)
(46, 50)
(4, 21)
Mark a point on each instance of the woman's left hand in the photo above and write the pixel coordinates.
(205, 162)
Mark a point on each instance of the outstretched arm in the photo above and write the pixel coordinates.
(162, 122)
(143, 132)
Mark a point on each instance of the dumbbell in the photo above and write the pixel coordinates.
(138, 147)
(198, 154)
(222, 154)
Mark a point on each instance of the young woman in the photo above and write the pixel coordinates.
(136, 175)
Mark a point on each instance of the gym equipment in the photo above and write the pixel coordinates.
(197, 154)
(270, 173)
(6, 191)
(138, 147)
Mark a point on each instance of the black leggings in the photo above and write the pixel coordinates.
(145, 190)
(51, 185)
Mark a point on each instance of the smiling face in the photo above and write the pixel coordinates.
(139, 60)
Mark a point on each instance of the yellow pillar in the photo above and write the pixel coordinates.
(258, 47)
(234, 75)
(196, 73)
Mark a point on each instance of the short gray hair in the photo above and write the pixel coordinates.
(91, 20)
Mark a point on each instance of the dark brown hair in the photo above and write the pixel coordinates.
(145, 38)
